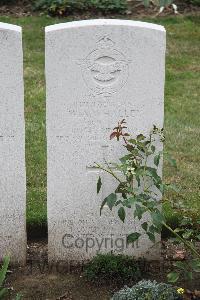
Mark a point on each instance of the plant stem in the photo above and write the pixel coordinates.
(188, 245)
(108, 171)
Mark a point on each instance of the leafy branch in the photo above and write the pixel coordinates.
(140, 188)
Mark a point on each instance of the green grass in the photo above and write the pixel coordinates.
(182, 106)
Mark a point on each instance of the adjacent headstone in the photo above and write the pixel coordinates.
(97, 73)
(12, 146)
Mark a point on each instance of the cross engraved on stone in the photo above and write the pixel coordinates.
(107, 164)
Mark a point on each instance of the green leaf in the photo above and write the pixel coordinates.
(161, 188)
(151, 236)
(125, 158)
(154, 229)
(140, 137)
(139, 211)
(173, 277)
(118, 202)
(132, 141)
(145, 226)
(157, 218)
(146, 3)
(133, 237)
(153, 148)
(111, 200)
(186, 221)
(180, 265)
(195, 264)
(138, 179)
(151, 204)
(187, 234)
(129, 147)
(171, 160)
(174, 187)
(124, 195)
(126, 203)
(3, 292)
(122, 214)
(177, 230)
(143, 196)
(132, 200)
(164, 3)
(121, 187)
(102, 205)
(188, 275)
(4, 269)
(99, 184)
(157, 159)
(152, 172)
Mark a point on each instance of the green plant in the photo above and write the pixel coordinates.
(162, 4)
(64, 7)
(108, 267)
(182, 219)
(60, 7)
(3, 272)
(189, 228)
(148, 290)
(194, 2)
(139, 188)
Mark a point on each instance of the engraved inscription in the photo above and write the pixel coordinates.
(105, 69)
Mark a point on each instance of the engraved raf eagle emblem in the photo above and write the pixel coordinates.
(106, 72)
(105, 69)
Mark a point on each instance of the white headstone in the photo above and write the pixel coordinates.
(97, 73)
(12, 146)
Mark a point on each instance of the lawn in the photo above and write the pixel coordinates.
(182, 106)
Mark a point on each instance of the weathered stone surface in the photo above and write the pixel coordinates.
(12, 146)
(97, 73)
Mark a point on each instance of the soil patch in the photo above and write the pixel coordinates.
(135, 10)
(38, 280)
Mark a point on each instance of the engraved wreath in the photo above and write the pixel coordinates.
(105, 69)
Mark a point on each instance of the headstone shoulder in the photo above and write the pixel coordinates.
(6, 26)
(104, 22)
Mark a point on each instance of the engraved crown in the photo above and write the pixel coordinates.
(105, 43)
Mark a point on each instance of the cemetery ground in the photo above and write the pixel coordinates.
(182, 142)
